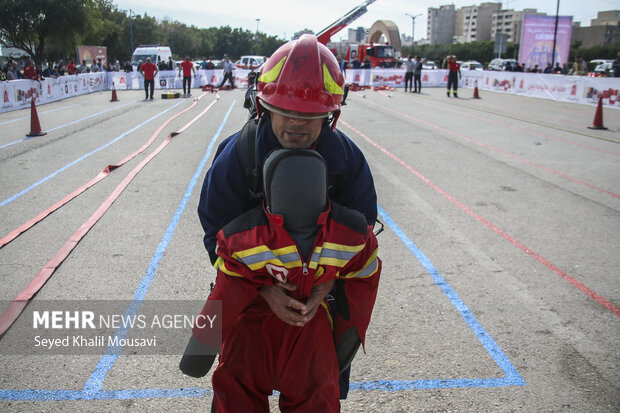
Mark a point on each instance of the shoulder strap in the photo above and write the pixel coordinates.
(246, 151)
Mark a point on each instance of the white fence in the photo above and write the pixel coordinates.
(578, 89)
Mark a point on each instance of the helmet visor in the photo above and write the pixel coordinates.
(295, 115)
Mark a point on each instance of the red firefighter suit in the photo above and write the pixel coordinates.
(260, 353)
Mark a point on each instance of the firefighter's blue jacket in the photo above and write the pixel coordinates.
(225, 196)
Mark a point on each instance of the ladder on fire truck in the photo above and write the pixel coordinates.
(325, 35)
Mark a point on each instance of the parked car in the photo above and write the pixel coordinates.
(605, 68)
(500, 64)
(472, 65)
(247, 62)
(429, 65)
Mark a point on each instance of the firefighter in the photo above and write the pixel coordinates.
(454, 74)
(300, 91)
(297, 236)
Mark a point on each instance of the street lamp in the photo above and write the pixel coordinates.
(131, 30)
(412, 28)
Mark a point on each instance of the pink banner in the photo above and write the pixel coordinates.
(537, 40)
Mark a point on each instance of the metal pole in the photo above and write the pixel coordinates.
(412, 29)
(555, 33)
(498, 31)
(131, 30)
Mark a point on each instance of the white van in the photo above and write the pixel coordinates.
(156, 52)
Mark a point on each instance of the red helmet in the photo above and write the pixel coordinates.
(302, 76)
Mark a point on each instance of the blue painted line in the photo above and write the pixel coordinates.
(513, 378)
(56, 395)
(66, 124)
(67, 166)
(42, 113)
(95, 382)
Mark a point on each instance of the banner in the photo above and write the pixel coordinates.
(91, 54)
(16, 94)
(537, 40)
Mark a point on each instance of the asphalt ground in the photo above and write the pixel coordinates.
(501, 250)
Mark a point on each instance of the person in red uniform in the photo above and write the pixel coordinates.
(188, 67)
(30, 71)
(71, 68)
(299, 237)
(454, 74)
(149, 71)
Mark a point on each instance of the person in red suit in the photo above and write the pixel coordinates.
(188, 68)
(149, 71)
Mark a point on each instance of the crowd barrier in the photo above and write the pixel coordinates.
(17, 94)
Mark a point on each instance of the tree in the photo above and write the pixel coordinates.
(30, 24)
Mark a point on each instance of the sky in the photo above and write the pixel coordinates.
(282, 18)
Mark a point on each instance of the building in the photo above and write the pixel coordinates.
(473, 23)
(440, 24)
(357, 35)
(510, 22)
(603, 31)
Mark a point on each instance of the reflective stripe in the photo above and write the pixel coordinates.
(329, 314)
(370, 268)
(330, 85)
(222, 267)
(273, 73)
(338, 255)
(257, 257)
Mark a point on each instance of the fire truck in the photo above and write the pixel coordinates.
(378, 55)
(325, 35)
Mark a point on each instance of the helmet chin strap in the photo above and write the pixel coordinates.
(333, 119)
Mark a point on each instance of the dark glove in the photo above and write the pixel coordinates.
(197, 359)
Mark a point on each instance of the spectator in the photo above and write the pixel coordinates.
(71, 68)
(210, 65)
(366, 64)
(356, 63)
(117, 65)
(548, 68)
(557, 70)
(170, 63)
(417, 75)
(409, 66)
(128, 67)
(13, 73)
(30, 71)
(616, 66)
(580, 68)
(203, 64)
(228, 73)
(82, 68)
(49, 73)
(61, 69)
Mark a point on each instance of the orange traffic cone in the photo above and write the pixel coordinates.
(35, 126)
(114, 97)
(598, 116)
(476, 96)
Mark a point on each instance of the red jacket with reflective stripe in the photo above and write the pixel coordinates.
(255, 250)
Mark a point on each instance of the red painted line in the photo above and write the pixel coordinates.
(492, 148)
(102, 175)
(579, 285)
(520, 129)
(19, 303)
